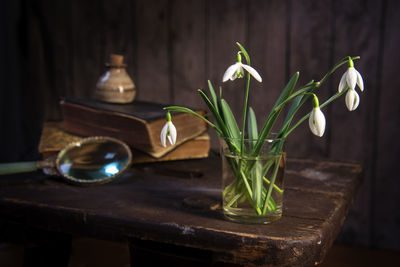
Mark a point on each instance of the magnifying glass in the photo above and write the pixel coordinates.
(92, 160)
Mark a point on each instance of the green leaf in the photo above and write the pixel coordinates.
(257, 183)
(302, 92)
(230, 122)
(296, 104)
(273, 115)
(332, 98)
(214, 111)
(288, 89)
(213, 95)
(246, 55)
(252, 127)
(224, 129)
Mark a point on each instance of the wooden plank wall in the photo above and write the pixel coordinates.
(173, 46)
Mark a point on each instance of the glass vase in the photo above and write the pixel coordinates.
(252, 179)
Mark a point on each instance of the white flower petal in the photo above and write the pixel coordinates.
(311, 122)
(342, 83)
(238, 70)
(352, 100)
(317, 122)
(360, 81)
(163, 135)
(321, 122)
(170, 140)
(252, 72)
(172, 133)
(231, 73)
(351, 78)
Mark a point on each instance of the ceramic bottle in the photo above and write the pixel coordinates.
(115, 85)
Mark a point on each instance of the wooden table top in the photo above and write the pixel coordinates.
(178, 203)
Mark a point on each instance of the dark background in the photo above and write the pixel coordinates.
(50, 49)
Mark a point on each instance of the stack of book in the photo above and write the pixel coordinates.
(138, 124)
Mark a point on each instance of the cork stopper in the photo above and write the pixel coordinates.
(116, 61)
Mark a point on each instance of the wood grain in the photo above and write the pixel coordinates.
(153, 73)
(53, 49)
(267, 38)
(147, 203)
(310, 49)
(188, 30)
(227, 25)
(386, 230)
(352, 137)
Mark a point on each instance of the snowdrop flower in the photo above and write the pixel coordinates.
(168, 131)
(317, 119)
(236, 71)
(350, 79)
(352, 99)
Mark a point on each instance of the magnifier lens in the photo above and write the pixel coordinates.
(98, 159)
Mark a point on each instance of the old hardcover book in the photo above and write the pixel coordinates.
(54, 138)
(138, 123)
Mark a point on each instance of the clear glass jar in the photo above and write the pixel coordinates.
(252, 181)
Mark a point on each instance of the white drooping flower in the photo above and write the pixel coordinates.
(317, 119)
(168, 131)
(352, 99)
(236, 71)
(350, 79)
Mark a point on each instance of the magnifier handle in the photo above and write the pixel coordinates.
(18, 167)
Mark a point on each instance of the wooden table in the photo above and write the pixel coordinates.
(176, 205)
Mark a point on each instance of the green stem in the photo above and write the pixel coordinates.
(274, 114)
(243, 175)
(257, 182)
(246, 98)
(249, 191)
(266, 169)
(229, 188)
(272, 183)
(280, 191)
(234, 199)
(340, 63)
(186, 110)
(284, 130)
(334, 97)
